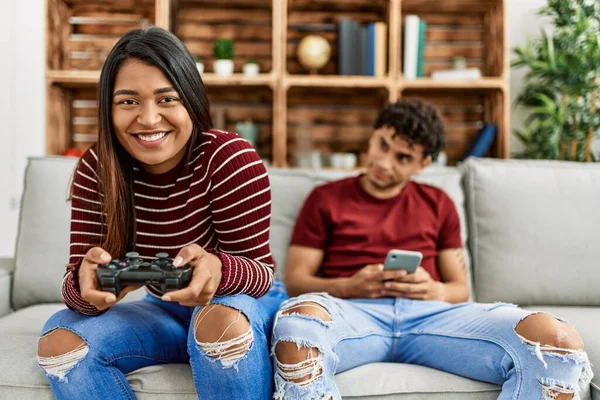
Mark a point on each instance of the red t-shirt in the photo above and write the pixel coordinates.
(355, 229)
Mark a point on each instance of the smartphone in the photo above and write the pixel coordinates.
(403, 259)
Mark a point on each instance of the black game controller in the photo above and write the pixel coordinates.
(132, 270)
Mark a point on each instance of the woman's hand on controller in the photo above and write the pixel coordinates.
(88, 283)
(206, 277)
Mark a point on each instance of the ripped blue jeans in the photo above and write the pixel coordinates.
(473, 340)
(149, 332)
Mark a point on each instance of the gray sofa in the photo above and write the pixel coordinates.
(531, 229)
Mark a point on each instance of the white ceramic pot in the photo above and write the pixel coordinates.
(200, 67)
(223, 68)
(251, 69)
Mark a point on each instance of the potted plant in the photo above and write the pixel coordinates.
(251, 68)
(223, 50)
(561, 86)
(199, 64)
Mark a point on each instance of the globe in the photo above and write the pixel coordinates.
(313, 52)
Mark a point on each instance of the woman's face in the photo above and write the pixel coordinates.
(149, 118)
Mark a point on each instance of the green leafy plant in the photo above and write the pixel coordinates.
(562, 83)
(223, 49)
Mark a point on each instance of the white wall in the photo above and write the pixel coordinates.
(523, 22)
(22, 105)
(22, 108)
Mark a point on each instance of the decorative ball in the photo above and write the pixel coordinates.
(313, 52)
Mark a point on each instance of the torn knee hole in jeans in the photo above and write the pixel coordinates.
(552, 390)
(229, 352)
(59, 366)
(311, 304)
(305, 372)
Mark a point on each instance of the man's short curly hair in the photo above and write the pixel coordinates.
(415, 121)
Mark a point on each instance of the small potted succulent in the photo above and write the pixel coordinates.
(251, 68)
(199, 64)
(223, 50)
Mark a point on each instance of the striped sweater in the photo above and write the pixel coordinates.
(222, 202)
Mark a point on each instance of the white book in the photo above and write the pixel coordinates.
(467, 74)
(411, 46)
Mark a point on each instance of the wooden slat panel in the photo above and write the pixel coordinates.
(250, 27)
(446, 35)
(191, 30)
(227, 3)
(337, 5)
(333, 116)
(330, 17)
(96, 27)
(457, 20)
(242, 48)
(333, 120)
(243, 104)
(217, 15)
(472, 51)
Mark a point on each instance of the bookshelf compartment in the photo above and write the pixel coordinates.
(82, 33)
(198, 23)
(333, 120)
(231, 105)
(464, 113)
(74, 123)
(469, 30)
(307, 17)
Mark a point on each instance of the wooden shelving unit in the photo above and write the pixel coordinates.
(335, 113)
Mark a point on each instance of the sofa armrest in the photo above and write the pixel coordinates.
(7, 265)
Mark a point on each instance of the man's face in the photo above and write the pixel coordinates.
(392, 160)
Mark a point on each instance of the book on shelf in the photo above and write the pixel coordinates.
(466, 74)
(415, 30)
(483, 142)
(362, 48)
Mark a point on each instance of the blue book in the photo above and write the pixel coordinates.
(483, 142)
(371, 49)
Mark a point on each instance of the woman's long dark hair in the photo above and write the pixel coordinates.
(160, 48)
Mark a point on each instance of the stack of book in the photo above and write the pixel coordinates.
(362, 49)
(414, 47)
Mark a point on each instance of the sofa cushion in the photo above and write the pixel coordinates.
(43, 237)
(6, 270)
(532, 225)
(291, 187)
(25, 380)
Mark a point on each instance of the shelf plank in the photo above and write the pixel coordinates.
(73, 77)
(211, 79)
(86, 78)
(427, 83)
(344, 81)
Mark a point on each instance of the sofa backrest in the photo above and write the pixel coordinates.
(43, 238)
(533, 231)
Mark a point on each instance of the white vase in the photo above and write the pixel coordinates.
(251, 69)
(200, 67)
(223, 68)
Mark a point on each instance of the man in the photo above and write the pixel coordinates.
(369, 314)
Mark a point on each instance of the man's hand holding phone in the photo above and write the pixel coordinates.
(416, 283)
(418, 286)
(368, 283)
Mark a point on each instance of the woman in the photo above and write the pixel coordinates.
(160, 180)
